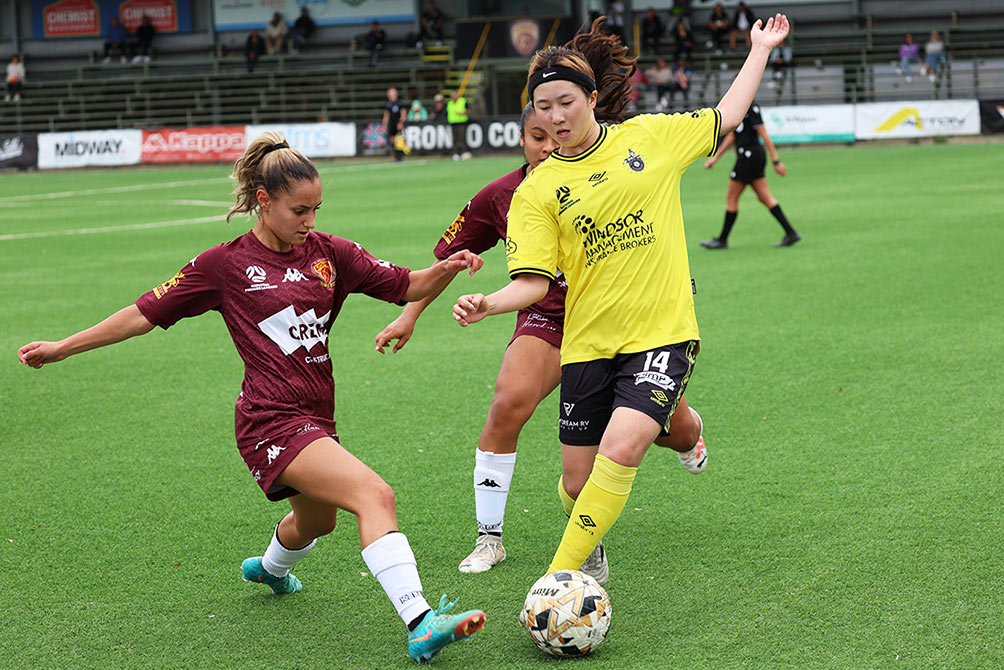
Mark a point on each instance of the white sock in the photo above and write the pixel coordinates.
(392, 562)
(278, 559)
(492, 477)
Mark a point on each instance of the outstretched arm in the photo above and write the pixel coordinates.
(739, 97)
(123, 324)
(521, 292)
(432, 280)
(403, 326)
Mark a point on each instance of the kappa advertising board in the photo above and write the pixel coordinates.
(809, 123)
(94, 147)
(193, 145)
(248, 14)
(923, 118)
(314, 140)
(18, 151)
(483, 136)
(90, 18)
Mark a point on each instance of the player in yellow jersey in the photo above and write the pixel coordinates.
(605, 210)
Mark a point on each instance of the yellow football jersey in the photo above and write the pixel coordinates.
(610, 219)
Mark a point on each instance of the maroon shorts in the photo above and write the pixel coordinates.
(268, 458)
(546, 328)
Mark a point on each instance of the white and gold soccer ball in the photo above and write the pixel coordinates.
(567, 613)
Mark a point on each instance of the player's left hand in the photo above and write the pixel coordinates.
(37, 354)
(780, 168)
(464, 259)
(769, 35)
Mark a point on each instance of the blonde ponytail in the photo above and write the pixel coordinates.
(267, 163)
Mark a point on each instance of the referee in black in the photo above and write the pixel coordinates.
(749, 171)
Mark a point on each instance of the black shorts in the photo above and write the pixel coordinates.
(651, 382)
(749, 165)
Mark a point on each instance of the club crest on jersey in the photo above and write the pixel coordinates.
(634, 161)
(323, 269)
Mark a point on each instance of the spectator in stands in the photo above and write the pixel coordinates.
(275, 34)
(431, 24)
(742, 21)
(652, 29)
(909, 53)
(684, 37)
(115, 40)
(660, 76)
(719, 25)
(615, 18)
(15, 77)
(393, 122)
(417, 111)
(144, 39)
(303, 29)
(375, 39)
(780, 61)
(438, 112)
(934, 55)
(639, 82)
(681, 81)
(254, 49)
(457, 117)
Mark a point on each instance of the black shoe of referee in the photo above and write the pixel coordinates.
(717, 243)
(788, 240)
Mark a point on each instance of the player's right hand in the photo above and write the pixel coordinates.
(710, 163)
(37, 354)
(399, 329)
(470, 309)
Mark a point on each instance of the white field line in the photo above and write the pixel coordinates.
(112, 229)
(143, 203)
(190, 182)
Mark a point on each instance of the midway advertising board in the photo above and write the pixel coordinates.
(91, 147)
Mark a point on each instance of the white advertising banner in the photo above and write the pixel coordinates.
(314, 140)
(809, 123)
(922, 118)
(89, 147)
(248, 14)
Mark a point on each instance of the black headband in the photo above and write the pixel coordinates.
(277, 145)
(556, 73)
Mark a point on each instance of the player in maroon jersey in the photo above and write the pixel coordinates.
(279, 288)
(531, 365)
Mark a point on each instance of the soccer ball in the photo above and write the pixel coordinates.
(567, 613)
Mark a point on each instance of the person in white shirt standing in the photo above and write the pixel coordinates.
(15, 77)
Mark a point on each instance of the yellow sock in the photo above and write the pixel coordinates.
(596, 509)
(567, 501)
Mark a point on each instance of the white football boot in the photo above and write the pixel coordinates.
(696, 459)
(488, 551)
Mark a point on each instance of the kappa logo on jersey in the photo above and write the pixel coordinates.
(273, 452)
(160, 291)
(291, 332)
(323, 269)
(569, 406)
(292, 274)
(598, 178)
(634, 161)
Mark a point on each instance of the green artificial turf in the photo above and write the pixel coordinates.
(851, 388)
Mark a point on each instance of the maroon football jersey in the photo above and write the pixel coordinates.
(278, 308)
(483, 222)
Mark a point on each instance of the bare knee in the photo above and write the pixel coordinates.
(382, 497)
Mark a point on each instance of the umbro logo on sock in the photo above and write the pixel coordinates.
(587, 521)
(490, 483)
